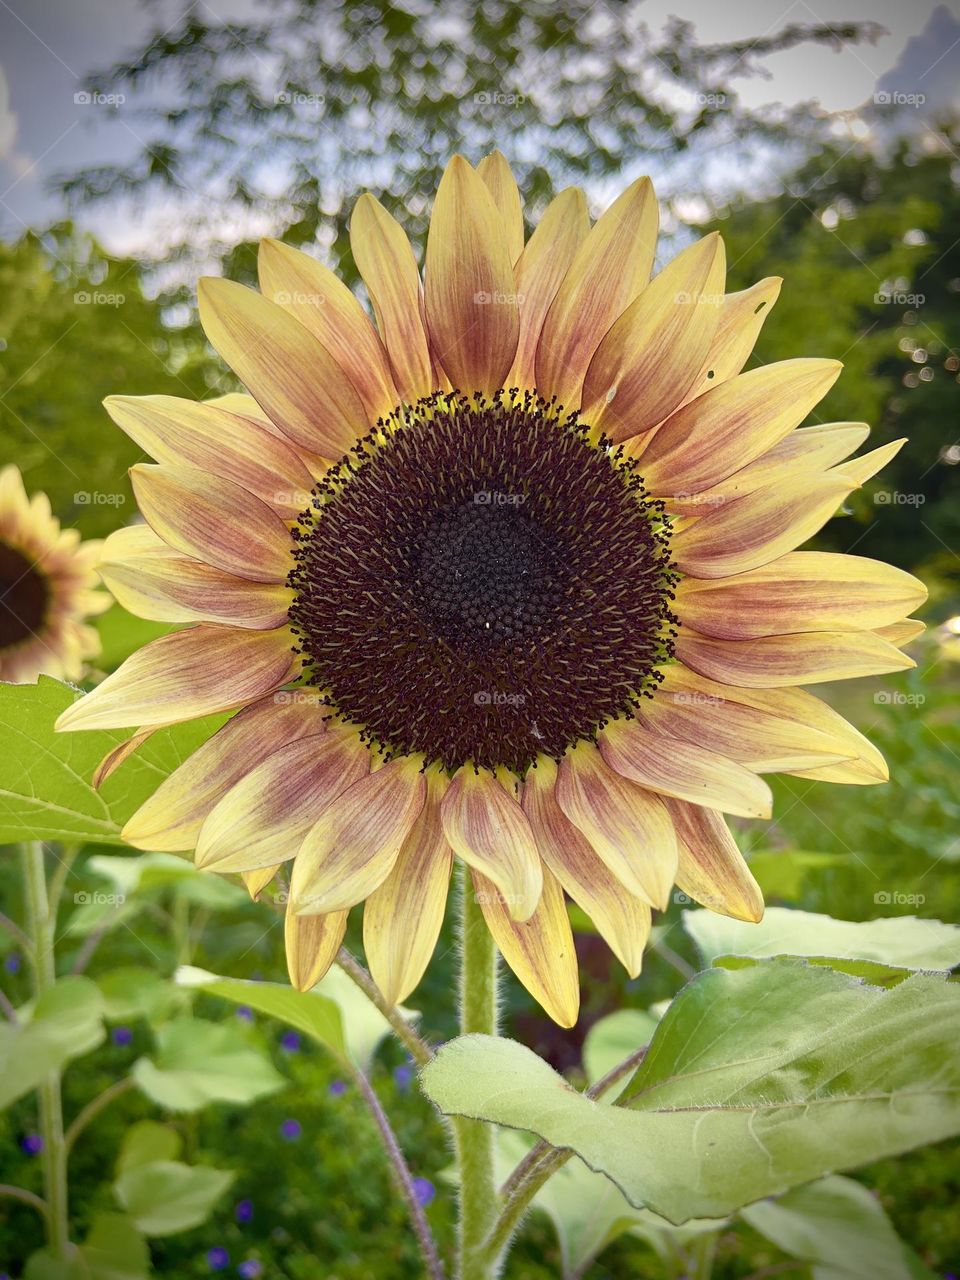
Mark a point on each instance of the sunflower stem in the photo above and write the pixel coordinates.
(479, 1202)
(41, 918)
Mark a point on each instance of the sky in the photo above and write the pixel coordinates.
(48, 46)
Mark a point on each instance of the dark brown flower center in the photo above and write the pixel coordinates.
(482, 582)
(24, 595)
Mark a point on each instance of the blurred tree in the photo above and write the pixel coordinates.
(278, 121)
(866, 242)
(75, 326)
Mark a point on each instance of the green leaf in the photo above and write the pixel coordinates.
(902, 941)
(614, 1038)
(199, 1062)
(133, 992)
(158, 872)
(165, 1197)
(757, 1080)
(316, 1016)
(45, 791)
(65, 1022)
(336, 1013)
(145, 1142)
(113, 1250)
(783, 873)
(839, 1224)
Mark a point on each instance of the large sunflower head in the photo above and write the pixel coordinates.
(47, 589)
(509, 578)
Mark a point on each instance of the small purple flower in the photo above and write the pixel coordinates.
(12, 962)
(122, 1035)
(424, 1190)
(250, 1269)
(402, 1076)
(337, 1088)
(290, 1042)
(245, 1013)
(291, 1130)
(218, 1259)
(243, 1210)
(32, 1144)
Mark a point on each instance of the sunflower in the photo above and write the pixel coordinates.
(509, 579)
(48, 587)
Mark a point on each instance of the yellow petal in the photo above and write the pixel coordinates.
(610, 269)
(543, 265)
(712, 870)
(793, 704)
(256, 881)
(902, 633)
(229, 445)
(748, 532)
(177, 589)
(628, 828)
(171, 819)
(487, 829)
(802, 591)
(263, 818)
(402, 919)
(499, 180)
(728, 426)
(622, 919)
(861, 469)
(686, 772)
(287, 371)
(806, 449)
(759, 740)
(311, 944)
(539, 950)
(214, 520)
(808, 658)
(470, 291)
(185, 675)
(117, 755)
(650, 355)
(741, 318)
(325, 306)
(385, 260)
(352, 847)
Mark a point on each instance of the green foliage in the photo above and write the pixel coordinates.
(165, 1197)
(113, 1250)
(199, 1062)
(65, 1022)
(45, 777)
(723, 1110)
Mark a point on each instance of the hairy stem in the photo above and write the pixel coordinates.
(93, 1109)
(541, 1161)
(401, 1170)
(418, 1049)
(474, 1139)
(41, 917)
